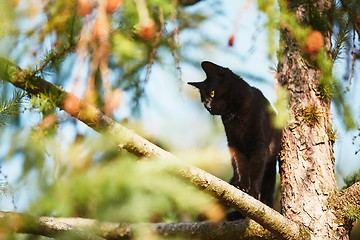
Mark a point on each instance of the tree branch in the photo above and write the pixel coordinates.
(188, 2)
(350, 195)
(347, 204)
(82, 228)
(271, 220)
(44, 226)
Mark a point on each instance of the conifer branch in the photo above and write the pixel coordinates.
(281, 227)
(347, 6)
(9, 108)
(52, 56)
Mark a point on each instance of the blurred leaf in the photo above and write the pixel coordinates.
(7, 18)
(125, 191)
(282, 107)
(126, 48)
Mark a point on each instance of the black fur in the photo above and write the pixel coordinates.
(247, 116)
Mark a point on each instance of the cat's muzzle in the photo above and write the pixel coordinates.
(207, 104)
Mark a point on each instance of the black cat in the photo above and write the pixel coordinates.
(247, 116)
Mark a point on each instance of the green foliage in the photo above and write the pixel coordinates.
(352, 213)
(326, 90)
(329, 88)
(62, 19)
(10, 108)
(62, 37)
(332, 134)
(7, 16)
(43, 103)
(342, 107)
(26, 146)
(270, 9)
(6, 190)
(123, 191)
(351, 179)
(90, 178)
(311, 115)
(342, 38)
(52, 59)
(346, 31)
(281, 105)
(127, 49)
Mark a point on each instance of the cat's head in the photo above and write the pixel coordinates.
(215, 88)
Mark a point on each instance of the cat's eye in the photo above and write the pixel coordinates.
(212, 93)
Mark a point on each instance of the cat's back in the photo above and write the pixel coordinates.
(259, 98)
(253, 121)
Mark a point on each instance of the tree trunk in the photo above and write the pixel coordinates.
(307, 161)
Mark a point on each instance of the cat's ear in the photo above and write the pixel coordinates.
(211, 69)
(198, 85)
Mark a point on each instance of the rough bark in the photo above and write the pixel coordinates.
(346, 205)
(307, 161)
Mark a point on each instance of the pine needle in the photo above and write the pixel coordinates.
(9, 108)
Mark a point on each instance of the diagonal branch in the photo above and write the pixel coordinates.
(271, 220)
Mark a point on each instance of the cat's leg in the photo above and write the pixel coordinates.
(240, 178)
(240, 164)
(268, 184)
(256, 170)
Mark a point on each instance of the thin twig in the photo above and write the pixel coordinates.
(54, 55)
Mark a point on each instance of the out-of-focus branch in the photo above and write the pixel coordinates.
(188, 2)
(11, 222)
(82, 228)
